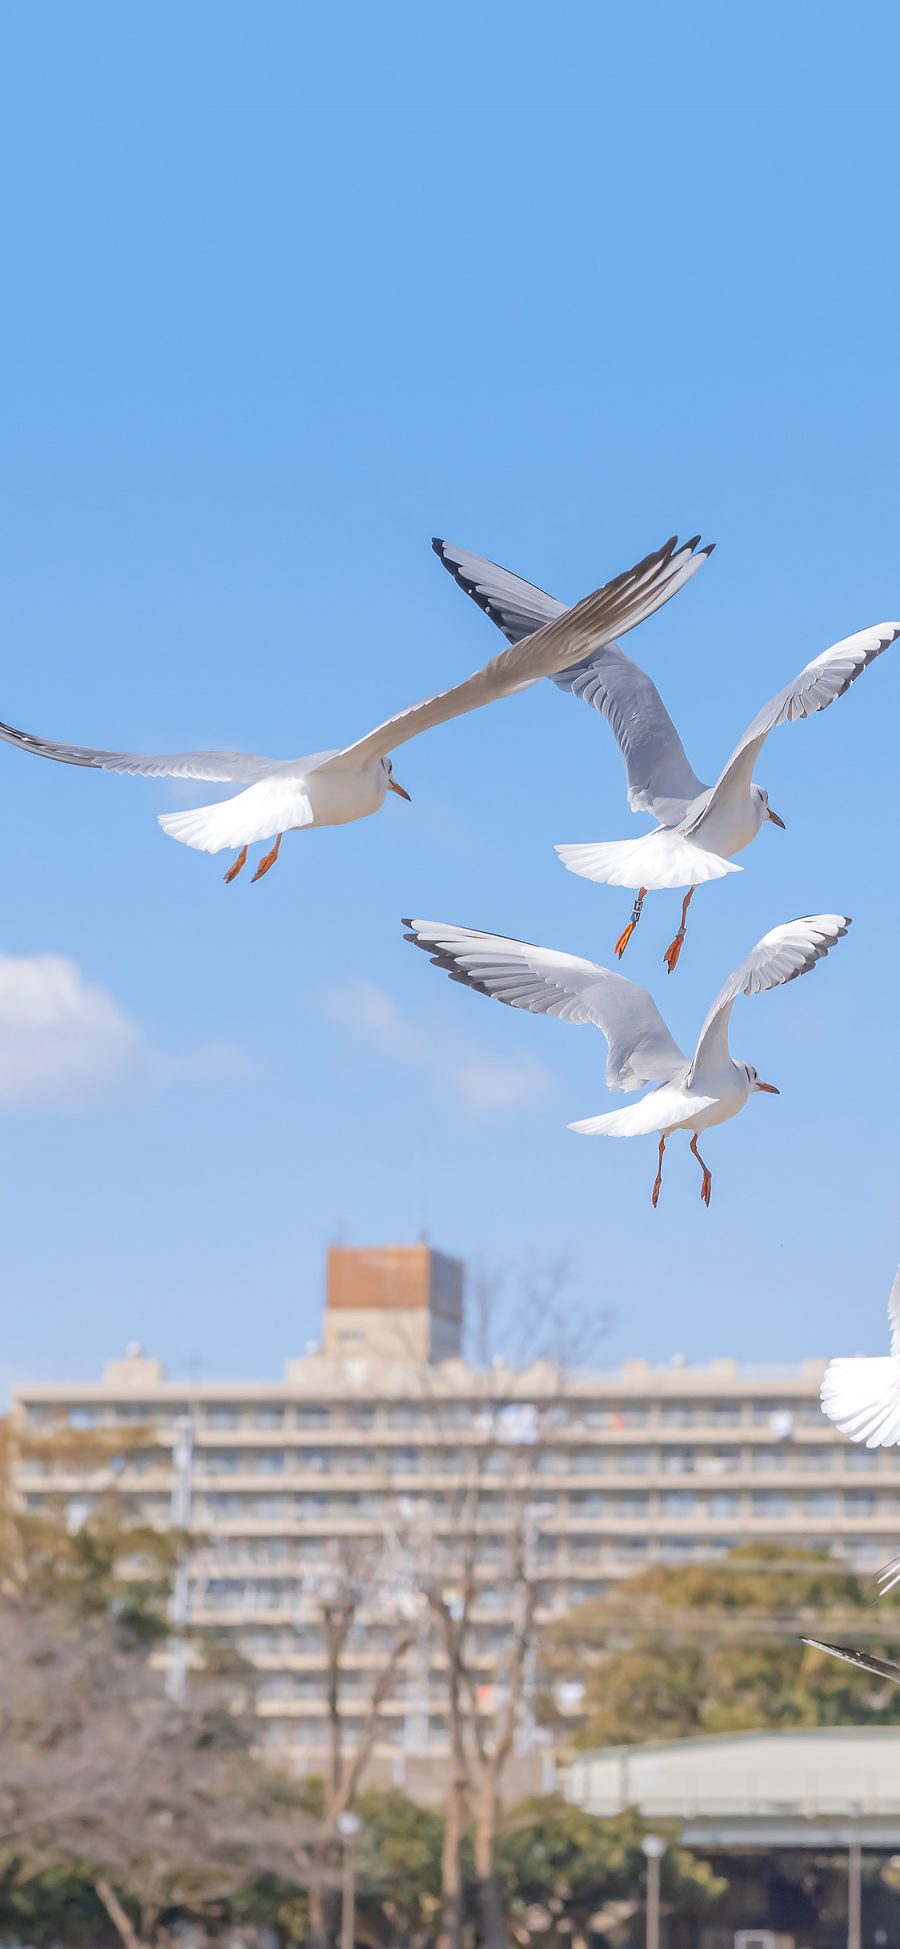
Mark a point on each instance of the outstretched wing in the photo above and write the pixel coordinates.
(538, 979)
(518, 608)
(660, 778)
(862, 1395)
(612, 610)
(224, 767)
(817, 686)
(865, 1661)
(894, 1313)
(780, 956)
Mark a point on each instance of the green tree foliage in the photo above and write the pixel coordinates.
(717, 1647)
(551, 1852)
(399, 1865)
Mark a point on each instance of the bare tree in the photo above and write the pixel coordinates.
(163, 1807)
(356, 1587)
(515, 1401)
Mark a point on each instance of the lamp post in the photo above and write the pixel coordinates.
(854, 1896)
(349, 1827)
(653, 1847)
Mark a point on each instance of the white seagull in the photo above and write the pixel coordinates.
(693, 1093)
(331, 788)
(700, 826)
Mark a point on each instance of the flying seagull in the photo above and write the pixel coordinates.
(693, 1093)
(331, 788)
(863, 1660)
(700, 827)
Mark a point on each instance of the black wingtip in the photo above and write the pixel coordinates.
(438, 545)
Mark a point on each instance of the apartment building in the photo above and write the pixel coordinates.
(385, 1440)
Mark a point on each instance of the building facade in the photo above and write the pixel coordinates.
(384, 1445)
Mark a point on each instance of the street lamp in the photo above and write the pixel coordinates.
(349, 1827)
(653, 1847)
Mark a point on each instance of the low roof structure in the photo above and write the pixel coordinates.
(825, 1787)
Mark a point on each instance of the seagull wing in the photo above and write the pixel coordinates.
(660, 777)
(864, 1660)
(518, 608)
(780, 956)
(225, 767)
(817, 686)
(544, 982)
(894, 1314)
(615, 608)
(862, 1396)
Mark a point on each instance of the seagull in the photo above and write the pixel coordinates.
(331, 788)
(700, 827)
(693, 1093)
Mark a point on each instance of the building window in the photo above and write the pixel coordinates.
(222, 1418)
(679, 1505)
(819, 1503)
(769, 1503)
(85, 1417)
(724, 1507)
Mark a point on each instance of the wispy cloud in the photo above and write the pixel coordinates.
(484, 1085)
(65, 1041)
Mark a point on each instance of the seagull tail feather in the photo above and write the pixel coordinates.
(663, 858)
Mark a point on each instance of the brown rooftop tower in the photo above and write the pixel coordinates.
(393, 1302)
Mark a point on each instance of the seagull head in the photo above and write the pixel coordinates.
(762, 797)
(755, 1081)
(392, 782)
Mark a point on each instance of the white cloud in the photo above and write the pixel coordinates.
(64, 1041)
(484, 1085)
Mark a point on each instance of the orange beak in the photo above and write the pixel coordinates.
(769, 1089)
(775, 819)
(394, 787)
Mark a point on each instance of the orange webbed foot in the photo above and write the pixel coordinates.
(627, 932)
(673, 951)
(234, 870)
(268, 860)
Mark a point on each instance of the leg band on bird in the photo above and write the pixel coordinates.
(625, 936)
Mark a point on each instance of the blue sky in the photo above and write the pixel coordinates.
(287, 291)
